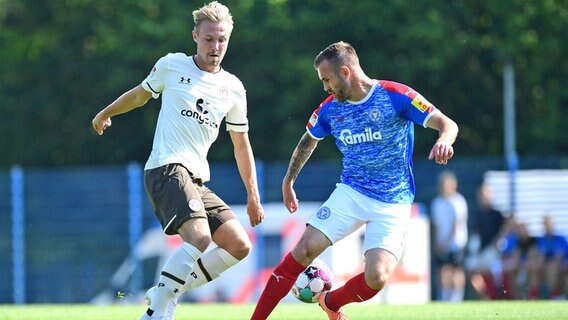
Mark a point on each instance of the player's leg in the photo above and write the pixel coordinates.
(330, 224)
(233, 245)
(178, 266)
(178, 206)
(385, 236)
(312, 243)
(232, 240)
(379, 266)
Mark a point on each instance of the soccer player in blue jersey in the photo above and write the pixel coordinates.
(372, 122)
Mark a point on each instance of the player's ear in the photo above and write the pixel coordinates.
(194, 36)
(345, 71)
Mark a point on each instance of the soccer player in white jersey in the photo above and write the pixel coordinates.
(372, 122)
(197, 93)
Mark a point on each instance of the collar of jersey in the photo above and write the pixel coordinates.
(367, 97)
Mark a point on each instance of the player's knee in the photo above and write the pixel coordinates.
(238, 247)
(310, 246)
(242, 249)
(304, 254)
(377, 280)
(196, 233)
(201, 243)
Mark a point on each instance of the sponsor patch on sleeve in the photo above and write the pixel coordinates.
(420, 103)
(313, 120)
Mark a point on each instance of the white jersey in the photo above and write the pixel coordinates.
(194, 103)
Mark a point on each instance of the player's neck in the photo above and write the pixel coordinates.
(362, 88)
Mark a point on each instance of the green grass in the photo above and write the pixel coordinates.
(540, 310)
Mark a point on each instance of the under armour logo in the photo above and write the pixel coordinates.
(277, 277)
(185, 80)
(194, 275)
(161, 285)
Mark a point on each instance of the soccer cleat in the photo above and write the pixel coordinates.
(172, 304)
(332, 315)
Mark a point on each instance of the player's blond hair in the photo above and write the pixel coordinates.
(214, 12)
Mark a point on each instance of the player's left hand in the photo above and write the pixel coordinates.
(255, 213)
(441, 152)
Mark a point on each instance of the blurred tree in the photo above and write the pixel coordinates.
(64, 60)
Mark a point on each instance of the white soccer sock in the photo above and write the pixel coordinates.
(175, 271)
(209, 267)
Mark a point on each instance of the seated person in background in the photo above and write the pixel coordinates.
(484, 262)
(551, 249)
(520, 261)
(564, 272)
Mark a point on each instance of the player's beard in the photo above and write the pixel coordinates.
(340, 93)
(214, 61)
(210, 63)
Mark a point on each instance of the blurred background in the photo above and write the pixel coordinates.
(72, 205)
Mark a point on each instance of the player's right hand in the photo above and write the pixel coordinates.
(100, 124)
(255, 212)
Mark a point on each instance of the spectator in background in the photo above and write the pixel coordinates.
(519, 256)
(551, 249)
(564, 272)
(484, 261)
(449, 217)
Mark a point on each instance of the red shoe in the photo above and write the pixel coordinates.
(332, 315)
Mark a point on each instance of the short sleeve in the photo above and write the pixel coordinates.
(154, 82)
(317, 125)
(408, 103)
(236, 118)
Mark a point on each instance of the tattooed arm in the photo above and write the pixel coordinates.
(300, 156)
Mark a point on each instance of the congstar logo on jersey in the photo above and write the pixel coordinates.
(200, 115)
(368, 135)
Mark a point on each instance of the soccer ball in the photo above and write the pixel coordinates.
(312, 282)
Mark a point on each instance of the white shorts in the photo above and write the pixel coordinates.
(346, 210)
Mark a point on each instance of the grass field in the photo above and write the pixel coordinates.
(541, 310)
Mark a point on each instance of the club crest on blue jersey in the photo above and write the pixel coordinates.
(375, 115)
(323, 213)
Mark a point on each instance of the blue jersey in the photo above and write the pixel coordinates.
(552, 246)
(376, 137)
